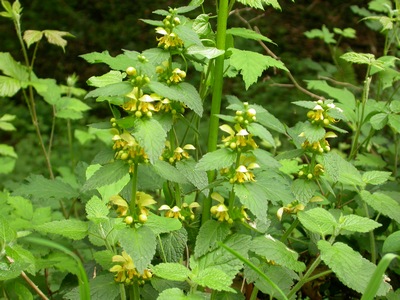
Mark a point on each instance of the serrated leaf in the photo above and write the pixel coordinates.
(32, 36)
(357, 224)
(278, 252)
(171, 245)
(303, 189)
(23, 207)
(120, 62)
(183, 92)
(168, 172)
(313, 133)
(259, 3)
(251, 64)
(96, 210)
(151, 136)
(263, 133)
(7, 150)
(156, 55)
(210, 233)
(161, 224)
(275, 186)
(215, 279)
(383, 204)
(56, 37)
(43, 188)
(72, 229)
(7, 234)
(104, 258)
(207, 52)
(341, 170)
(9, 86)
(196, 177)
(248, 34)
(188, 35)
(252, 196)
(359, 58)
(172, 293)
(265, 159)
(106, 175)
(305, 104)
(323, 34)
(379, 120)
(394, 122)
(349, 266)
(171, 271)
(216, 160)
(12, 68)
(268, 120)
(318, 220)
(140, 244)
(115, 89)
(105, 79)
(375, 177)
(392, 243)
(103, 287)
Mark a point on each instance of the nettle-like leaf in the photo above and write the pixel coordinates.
(376, 177)
(263, 133)
(70, 108)
(359, 58)
(215, 279)
(161, 225)
(198, 178)
(171, 271)
(379, 120)
(106, 175)
(259, 3)
(248, 34)
(168, 172)
(32, 36)
(188, 35)
(183, 92)
(171, 245)
(215, 160)
(22, 207)
(252, 196)
(323, 34)
(9, 86)
(73, 229)
(313, 133)
(272, 249)
(5, 122)
(394, 122)
(340, 170)
(96, 210)
(349, 266)
(7, 234)
(318, 220)
(140, 244)
(106, 79)
(115, 89)
(56, 37)
(119, 62)
(303, 189)
(392, 243)
(210, 233)
(207, 52)
(12, 68)
(251, 64)
(383, 204)
(357, 224)
(151, 136)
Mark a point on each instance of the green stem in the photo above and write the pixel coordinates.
(122, 292)
(290, 230)
(371, 238)
(396, 153)
(134, 176)
(134, 292)
(254, 293)
(222, 20)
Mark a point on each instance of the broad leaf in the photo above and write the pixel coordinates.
(215, 160)
(379, 120)
(120, 62)
(171, 245)
(196, 177)
(56, 37)
(105, 79)
(274, 250)
(394, 122)
(251, 64)
(215, 279)
(392, 243)
(313, 133)
(211, 232)
(115, 89)
(359, 58)
(160, 225)
(304, 189)
(252, 196)
(263, 133)
(140, 244)
(73, 229)
(357, 223)
(340, 170)
(248, 34)
(96, 210)
(32, 36)
(7, 234)
(349, 266)
(168, 172)
(12, 68)
(9, 86)
(376, 177)
(383, 204)
(207, 52)
(318, 220)
(259, 3)
(171, 271)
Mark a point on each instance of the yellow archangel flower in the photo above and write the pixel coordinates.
(169, 39)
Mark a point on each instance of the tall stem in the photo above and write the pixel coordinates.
(222, 19)
(134, 176)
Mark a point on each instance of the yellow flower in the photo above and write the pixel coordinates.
(125, 270)
(180, 153)
(177, 75)
(239, 138)
(243, 174)
(169, 39)
(291, 208)
(220, 211)
(174, 212)
(122, 205)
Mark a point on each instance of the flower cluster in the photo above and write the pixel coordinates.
(169, 39)
(186, 211)
(177, 154)
(243, 173)
(221, 212)
(126, 272)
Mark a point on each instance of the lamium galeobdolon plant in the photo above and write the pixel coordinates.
(173, 223)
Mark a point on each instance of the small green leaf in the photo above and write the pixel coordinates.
(383, 204)
(251, 64)
(7, 234)
(120, 62)
(252, 196)
(7, 151)
(171, 245)
(313, 133)
(56, 37)
(350, 267)
(359, 58)
(196, 177)
(274, 250)
(106, 175)
(168, 172)
(207, 52)
(392, 243)
(162, 225)
(303, 189)
(259, 3)
(215, 279)
(32, 36)
(115, 89)
(73, 229)
(23, 207)
(318, 220)
(376, 177)
(171, 271)
(216, 160)
(103, 287)
(394, 122)
(9, 86)
(96, 210)
(323, 34)
(357, 224)
(172, 293)
(211, 232)
(379, 120)
(188, 35)
(263, 133)
(140, 244)
(104, 258)
(105, 79)
(248, 34)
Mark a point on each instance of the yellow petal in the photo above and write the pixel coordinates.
(228, 129)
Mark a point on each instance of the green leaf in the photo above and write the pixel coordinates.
(168, 172)
(56, 37)
(350, 267)
(383, 204)
(183, 92)
(171, 271)
(115, 89)
(376, 177)
(106, 175)
(379, 120)
(207, 52)
(394, 122)
(151, 136)
(215, 279)
(140, 244)
(106, 79)
(32, 36)
(303, 189)
(263, 133)
(359, 58)
(72, 229)
(120, 62)
(171, 245)
(268, 120)
(357, 224)
(161, 224)
(172, 293)
(313, 133)
(323, 34)
(210, 233)
(9, 86)
(318, 220)
(392, 243)
(340, 170)
(196, 177)
(96, 210)
(251, 64)
(274, 250)
(248, 34)
(12, 68)
(23, 207)
(188, 35)
(7, 234)
(104, 258)
(7, 151)
(276, 187)
(395, 106)
(252, 196)
(103, 287)
(259, 3)
(43, 188)
(216, 160)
